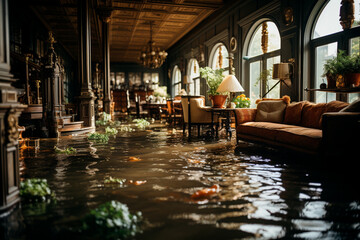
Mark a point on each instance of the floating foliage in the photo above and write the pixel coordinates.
(112, 220)
(35, 189)
(104, 120)
(69, 150)
(141, 123)
(111, 131)
(99, 137)
(113, 181)
(126, 129)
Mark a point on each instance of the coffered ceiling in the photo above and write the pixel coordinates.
(130, 23)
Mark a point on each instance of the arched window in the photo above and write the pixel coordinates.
(219, 58)
(327, 38)
(194, 75)
(176, 79)
(260, 61)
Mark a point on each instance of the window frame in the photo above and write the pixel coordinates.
(262, 58)
(196, 79)
(175, 84)
(342, 39)
(213, 52)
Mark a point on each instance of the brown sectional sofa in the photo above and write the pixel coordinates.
(303, 126)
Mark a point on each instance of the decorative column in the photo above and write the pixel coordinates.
(51, 92)
(10, 110)
(87, 97)
(105, 15)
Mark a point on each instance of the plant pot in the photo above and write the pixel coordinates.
(352, 79)
(331, 81)
(218, 101)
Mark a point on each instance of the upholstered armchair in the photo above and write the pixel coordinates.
(199, 113)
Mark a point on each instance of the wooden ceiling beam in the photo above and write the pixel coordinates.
(203, 5)
(155, 11)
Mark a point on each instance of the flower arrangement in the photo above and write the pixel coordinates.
(242, 101)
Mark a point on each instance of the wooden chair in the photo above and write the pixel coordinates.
(174, 110)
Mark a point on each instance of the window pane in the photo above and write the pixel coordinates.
(274, 37)
(328, 22)
(134, 79)
(275, 92)
(194, 75)
(177, 80)
(354, 49)
(155, 77)
(323, 53)
(273, 40)
(254, 82)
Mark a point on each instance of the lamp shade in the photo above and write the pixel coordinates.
(281, 71)
(230, 84)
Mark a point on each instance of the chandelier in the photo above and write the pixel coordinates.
(152, 57)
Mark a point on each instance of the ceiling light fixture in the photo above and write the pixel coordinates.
(152, 57)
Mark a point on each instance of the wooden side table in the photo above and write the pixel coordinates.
(225, 113)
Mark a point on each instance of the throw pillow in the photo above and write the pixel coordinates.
(270, 111)
(311, 115)
(293, 113)
(353, 107)
(335, 106)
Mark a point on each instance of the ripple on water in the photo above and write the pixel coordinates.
(262, 194)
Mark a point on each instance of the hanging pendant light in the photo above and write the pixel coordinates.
(152, 57)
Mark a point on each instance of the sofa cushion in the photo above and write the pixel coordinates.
(270, 111)
(353, 107)
(267, 130)
(335, 106)
(293, 113)
(311, 114)
(301, 137)
(297, 136)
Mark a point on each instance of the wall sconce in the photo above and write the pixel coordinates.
(283, 72)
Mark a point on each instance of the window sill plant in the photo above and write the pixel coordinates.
(343, 71)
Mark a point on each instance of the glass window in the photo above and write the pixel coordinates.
(328, 21)
(134, 79)
(260, 64)
(325, 45)
(119, 80)
(220, 58)
(194, 74)
(154, 81)
(176, 79)
(323, 53)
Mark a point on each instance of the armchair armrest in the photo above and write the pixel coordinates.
(245, 115)
(341, 131)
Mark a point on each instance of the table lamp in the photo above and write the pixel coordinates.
(230, 84)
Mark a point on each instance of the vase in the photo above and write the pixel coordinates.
(218, 101)
(352, 79)
(331, 81)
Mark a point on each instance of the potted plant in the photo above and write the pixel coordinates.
(213, 80)
(342, 68)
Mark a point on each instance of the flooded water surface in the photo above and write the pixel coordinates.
(262, 193)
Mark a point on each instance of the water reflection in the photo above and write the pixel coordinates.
(262, 194)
